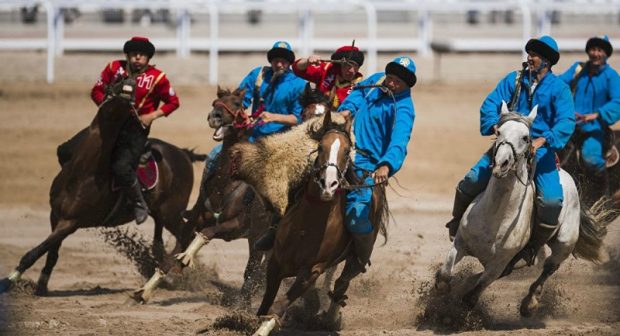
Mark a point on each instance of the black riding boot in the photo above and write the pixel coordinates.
(141, 210)
(363, 244)
(541, 235)
(461, 202)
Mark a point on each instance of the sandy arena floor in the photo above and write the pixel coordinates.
(89, 287)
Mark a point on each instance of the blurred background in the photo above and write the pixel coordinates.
(213, 30)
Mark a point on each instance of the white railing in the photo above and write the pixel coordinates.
(422, 42)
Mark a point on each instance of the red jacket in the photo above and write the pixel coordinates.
(152, 86)
(325, 76)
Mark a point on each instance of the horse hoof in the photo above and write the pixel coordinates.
(41, 291)
(442, 283)
(470, 301)
(5, 285)
(137, 297)
(528, 305)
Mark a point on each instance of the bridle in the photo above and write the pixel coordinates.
(316, 171)
(527, 154)
(240, 118)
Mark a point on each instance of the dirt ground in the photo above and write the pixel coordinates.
(90, 284)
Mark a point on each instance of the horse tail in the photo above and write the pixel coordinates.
(593, 229)
(193, 156)
(381, 213)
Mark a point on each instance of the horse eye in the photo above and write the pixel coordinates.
(525, 138)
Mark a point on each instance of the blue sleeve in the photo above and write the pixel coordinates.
(564, 124)
(355, 99)
(489, 111)
(396, 152)
(610, 112)
(567, 76)
(295, 107)
(248, 84)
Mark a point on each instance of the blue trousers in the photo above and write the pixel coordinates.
(357, 208)
(549, 195)
(212, 157)
(592, 151)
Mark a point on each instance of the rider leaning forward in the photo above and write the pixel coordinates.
(535, 85)
(335, 78)
(152, 88)
(596, 92)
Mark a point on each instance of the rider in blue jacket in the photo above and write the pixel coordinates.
(551, 130)
(596, 92)
(382, 122)
(273, 92)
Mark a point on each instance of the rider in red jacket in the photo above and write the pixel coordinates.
(152, 88)
(336, 78)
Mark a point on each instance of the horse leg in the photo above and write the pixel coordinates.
(251, 275)
(273, 281)
(444, 274)
(158, 248)
(332, 317)
(492, 272)
(52, 242)
(560, 252)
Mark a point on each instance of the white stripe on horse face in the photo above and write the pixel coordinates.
(331, 172)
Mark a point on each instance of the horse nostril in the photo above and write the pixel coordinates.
(504, 164)
(322, 181)
(334, 184)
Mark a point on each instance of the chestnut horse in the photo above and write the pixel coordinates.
(82, 194)
(311, 236)
(225, 209)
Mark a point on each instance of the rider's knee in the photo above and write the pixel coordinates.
(549, 209)
(357, 218)
(471, 185)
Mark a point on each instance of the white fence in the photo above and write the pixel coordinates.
(534, 20)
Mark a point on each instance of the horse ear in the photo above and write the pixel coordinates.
(505, 108)
(327, 120)
(239, 92)
(221, 92)
(533, 114)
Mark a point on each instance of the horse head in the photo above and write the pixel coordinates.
(228, 113)
(333, 156)
(314, 102)
(513, 143)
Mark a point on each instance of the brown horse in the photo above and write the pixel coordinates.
(225, 209)
(314, 102)
(82, 196)
(589, 192)
(311, 236)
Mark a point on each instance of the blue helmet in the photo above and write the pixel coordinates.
(283, 50)
(402, 67)
(601, 42)
(546, 47)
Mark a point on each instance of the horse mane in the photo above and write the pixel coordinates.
(278, 163)
(514, 116)
(312, 96)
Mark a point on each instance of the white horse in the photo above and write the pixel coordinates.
(498, 223)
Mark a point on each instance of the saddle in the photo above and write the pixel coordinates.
(147, 171)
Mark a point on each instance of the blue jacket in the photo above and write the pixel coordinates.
(555, 120)
(281, 97)
(382, 125)
(599, 93)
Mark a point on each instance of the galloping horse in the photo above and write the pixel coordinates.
(311, 237)
(82, 194)
(571, 160)
(495, 237)
(225, 209)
